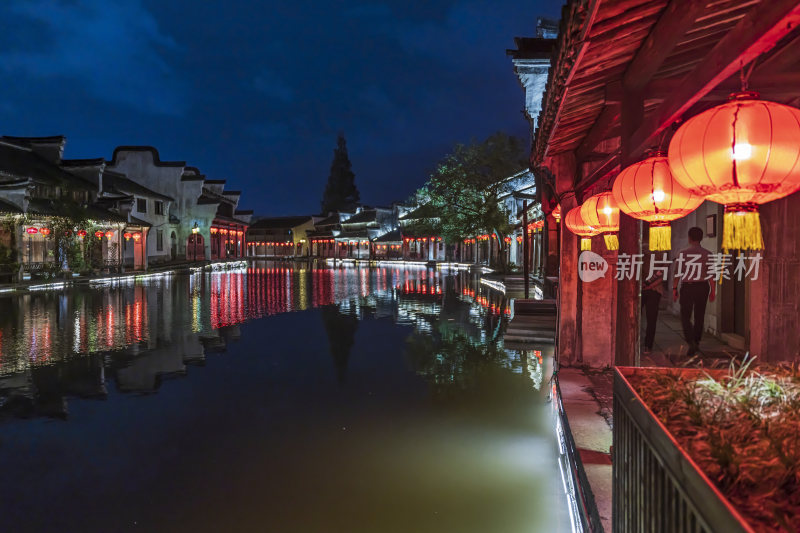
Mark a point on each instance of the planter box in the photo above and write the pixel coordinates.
(657, 486)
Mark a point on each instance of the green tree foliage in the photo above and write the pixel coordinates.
(341, 193)
(465, 188)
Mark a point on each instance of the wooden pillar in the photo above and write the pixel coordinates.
(630, 242)
(569, 304)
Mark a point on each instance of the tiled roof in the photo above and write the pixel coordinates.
(279, 222)
(368, 215)
(20, 162)
(114, 180)
(392, 236)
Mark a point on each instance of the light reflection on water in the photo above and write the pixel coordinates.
(370, 400)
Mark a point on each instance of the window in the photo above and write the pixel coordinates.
(141, 205)
(160, 240)
(159, 209)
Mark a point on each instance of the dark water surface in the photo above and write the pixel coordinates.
(274, 399)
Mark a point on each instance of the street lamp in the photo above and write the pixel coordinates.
(195, 231)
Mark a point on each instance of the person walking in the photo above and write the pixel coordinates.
(652, 290)
(696, 289)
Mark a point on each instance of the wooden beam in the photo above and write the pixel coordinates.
(758, 32)
(673, 24)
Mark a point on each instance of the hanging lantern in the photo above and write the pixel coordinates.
(81, 233)
(557, 213)
(601, 212)
(741, 154)
(45, 231)
(99, 234)
(575, 223)
(213, 231)
(109, 235)
(31, 230)
(647, 191)
(137, 236)
(127, 236)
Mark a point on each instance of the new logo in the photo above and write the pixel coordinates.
(591, 266)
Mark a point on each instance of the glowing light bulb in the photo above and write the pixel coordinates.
(742, 151)
(658, 195)
(607, 211)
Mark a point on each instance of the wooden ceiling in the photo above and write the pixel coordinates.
(679, 56)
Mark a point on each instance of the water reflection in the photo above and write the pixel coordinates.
(346, 400)
(72, 343)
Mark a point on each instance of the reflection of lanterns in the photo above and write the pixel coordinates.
(127, 236)
(98, 234)
(602, 213)
(136, 236)
(81, 233)
(575, 223)
(109, 235)
(647, 191)
(32, 230)
(741, 154)
(45, 231)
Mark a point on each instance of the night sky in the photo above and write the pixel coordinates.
(257, 95)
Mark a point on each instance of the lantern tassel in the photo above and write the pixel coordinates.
(586, 243)
(660, 238)
(612, 241)
(741, 228)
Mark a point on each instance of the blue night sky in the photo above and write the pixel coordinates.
(256, 95)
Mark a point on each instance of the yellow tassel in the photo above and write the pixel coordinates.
(742, 231)
(660, 238)
(612, 241)
(586, 243)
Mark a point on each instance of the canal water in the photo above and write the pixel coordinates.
(274, 398)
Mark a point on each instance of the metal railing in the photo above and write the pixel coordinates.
(582, 503)
(657, 486)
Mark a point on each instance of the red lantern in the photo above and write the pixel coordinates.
(213, 231)
(646, 190)
(602, 213)
(98, 234)
(137, 236)
(575, 223)
(31, 230)
(557, 213)
(45, 231)
(81, 233)
(109, 234)
(127, 236)
(741, 154)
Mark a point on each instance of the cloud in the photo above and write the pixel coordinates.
(114, 51)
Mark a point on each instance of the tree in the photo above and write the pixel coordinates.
(341, 193)
(465, 188)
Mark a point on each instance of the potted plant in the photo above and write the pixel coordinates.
(726, 446)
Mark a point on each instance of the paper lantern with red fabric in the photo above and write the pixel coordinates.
(741, 154)
(602, 213)
(557, 213)
(575, 223)
(99, 234)
(646, 190)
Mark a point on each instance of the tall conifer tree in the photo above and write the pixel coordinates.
(341, 193)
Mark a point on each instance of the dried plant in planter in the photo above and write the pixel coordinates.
(743, 431)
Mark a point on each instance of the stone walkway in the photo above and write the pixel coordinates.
(669, 348)
(587, 395)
